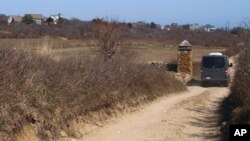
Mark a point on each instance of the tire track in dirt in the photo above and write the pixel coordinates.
(192, 115)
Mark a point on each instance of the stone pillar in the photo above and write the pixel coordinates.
(185, 65)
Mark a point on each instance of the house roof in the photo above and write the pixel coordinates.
(185, 43)
(54, 17)
(17, 18)
(36, 16)
(209, 26)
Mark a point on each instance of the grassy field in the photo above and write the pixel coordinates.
(145, 51)
(144, 54)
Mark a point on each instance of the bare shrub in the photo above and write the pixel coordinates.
(240, 87)
(109, 37)
(35, 89)
(77, 29)
(231, 51)
(235, 108)
(243, 33)
(3, 20)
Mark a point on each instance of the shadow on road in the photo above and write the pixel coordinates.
(206, 122)
(194, 82)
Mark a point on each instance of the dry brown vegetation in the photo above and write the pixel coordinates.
(56, 43)
(235, 108)
(232, 51)
(240, 86)
(51, 93)
(74, 29)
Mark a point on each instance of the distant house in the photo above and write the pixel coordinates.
(14, 19)
(174, 25)
(141, 24)
(208, 28)
(54, 19)
(167, 27)
(158, 26)
(162, 27)
(38, 18)
(195, 27)
(134, 25)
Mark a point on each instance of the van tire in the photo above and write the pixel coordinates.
(226, 84)
(203, 84)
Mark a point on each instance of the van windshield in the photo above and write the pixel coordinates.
(214, 62)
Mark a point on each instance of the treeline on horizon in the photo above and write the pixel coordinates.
(78, 29)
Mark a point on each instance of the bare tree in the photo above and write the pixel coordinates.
(109, 37)
(245, 36)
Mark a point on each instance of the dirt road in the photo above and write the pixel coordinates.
(192, 116)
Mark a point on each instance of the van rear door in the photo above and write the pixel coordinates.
(214, 68)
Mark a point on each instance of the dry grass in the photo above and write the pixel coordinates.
(53, 42)
(146, 51)
(235, 108)
(240, 86)
(144, 54)
(48, 93)
(232, 51)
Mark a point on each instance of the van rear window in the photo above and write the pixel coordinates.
(213, 62)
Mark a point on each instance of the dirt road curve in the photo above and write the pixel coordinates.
(189, 116)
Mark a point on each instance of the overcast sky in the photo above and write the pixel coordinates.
(215, 12)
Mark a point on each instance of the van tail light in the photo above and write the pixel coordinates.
(226, 71)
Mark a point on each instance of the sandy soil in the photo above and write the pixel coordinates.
(192, 115)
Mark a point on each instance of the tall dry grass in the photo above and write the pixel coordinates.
(235, 108)
(240, 87)
(49, 94)
(53, 42)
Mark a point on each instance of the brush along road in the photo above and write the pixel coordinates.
(192, 115)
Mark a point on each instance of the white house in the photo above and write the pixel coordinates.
(208, 28)
(38, 18)
(53, 19)
(14, 19)
(195, 27)
(167, 27)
